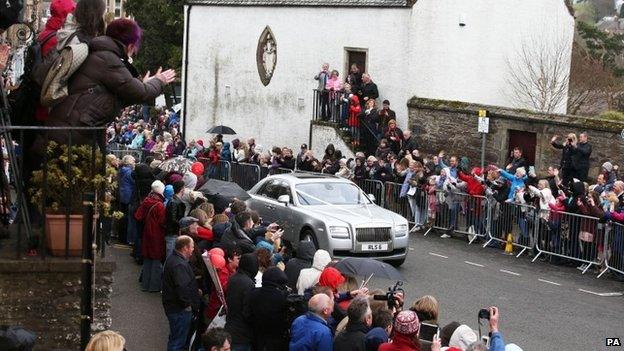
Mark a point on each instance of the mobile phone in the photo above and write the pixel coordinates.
(427, 331)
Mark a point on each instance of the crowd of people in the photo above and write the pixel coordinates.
(352, 104)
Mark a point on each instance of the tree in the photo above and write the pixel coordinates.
(593, 87)
(162, 22)
(608, 48)
(538, 76)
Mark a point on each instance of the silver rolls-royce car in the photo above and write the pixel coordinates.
(333, 213)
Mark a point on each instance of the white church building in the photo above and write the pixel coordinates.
(440, 49)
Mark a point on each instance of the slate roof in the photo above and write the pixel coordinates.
(311, 3)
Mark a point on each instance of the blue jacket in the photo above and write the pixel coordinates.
(310, 333)
(126, 185)
(515, 183)
(374, 338)
(496, 342)
(226, 155)
(452, 169)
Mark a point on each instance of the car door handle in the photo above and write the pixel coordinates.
(270, 207)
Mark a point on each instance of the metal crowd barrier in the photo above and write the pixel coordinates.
(612, 253)
(507, 218)
(120, 153)
(394, 202)
(374, 187)
(221, 171)
(245, 174)
(461, 213)
(568, 236)
(267, 171)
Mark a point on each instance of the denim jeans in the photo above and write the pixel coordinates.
(169, 244)
(179, 324)
(417, 212)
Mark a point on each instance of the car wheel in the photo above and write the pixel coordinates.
(308, 235)
(397, 263)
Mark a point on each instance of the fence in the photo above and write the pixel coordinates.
(328, 106)
(559, 235)
(48, 188)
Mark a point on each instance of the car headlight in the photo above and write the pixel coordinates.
(339, 232)
(401, 230)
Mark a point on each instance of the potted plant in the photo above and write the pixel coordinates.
(61, 187)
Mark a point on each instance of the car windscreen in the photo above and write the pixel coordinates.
(330, 193)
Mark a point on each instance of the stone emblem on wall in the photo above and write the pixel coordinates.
(266, 55)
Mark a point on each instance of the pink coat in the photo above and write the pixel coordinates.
(335, 84)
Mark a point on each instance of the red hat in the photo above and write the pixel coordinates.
(331, 277)
(477, 171)
(200, 142)
(406, 323)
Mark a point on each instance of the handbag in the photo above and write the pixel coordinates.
(586, 236)
(219, 320)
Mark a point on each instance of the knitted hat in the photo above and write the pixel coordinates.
(158, 187)
(608, 166)
(190, 180)
(331, 277)
(406, 323)
(168, 194)
(463, 337)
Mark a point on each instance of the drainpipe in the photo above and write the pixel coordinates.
(185, 69)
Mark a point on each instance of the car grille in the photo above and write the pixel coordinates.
(364, 235)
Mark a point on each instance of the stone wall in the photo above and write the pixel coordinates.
(323, 135)
(44, 297)
(452, 126)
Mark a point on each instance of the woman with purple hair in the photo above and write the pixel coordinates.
(105, 83)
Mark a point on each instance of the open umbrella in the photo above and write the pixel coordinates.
(221, 130)
(178, 164)
(222, 189)
(364, 267)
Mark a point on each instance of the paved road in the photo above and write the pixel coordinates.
(541, 305)
(137, 315)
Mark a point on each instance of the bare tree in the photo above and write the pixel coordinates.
(538, 75)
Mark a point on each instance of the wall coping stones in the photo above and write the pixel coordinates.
(460, 107)
(53, 266)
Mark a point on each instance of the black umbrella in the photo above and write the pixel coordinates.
(364, 267)
(227, 190)
(221, 130)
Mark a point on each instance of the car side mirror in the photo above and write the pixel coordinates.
(372, 197)
(284, 199)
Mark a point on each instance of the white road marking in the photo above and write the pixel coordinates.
(548, 282)
(411, 249)
(602, 294)
(509, 272)
(437, 255)
(474, 264)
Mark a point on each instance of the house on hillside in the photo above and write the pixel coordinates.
(249, 64)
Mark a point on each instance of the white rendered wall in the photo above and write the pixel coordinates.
(411, 52)
(223, 82)
(469, 63)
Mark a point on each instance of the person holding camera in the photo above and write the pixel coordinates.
(568, 155)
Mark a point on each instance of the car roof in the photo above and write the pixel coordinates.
(302, 177)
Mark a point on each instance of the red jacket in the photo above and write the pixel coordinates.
(59, 9)
(213, 301)
(354, 112)
(474, 187)
(205, 233)
(152, 213)
(400, 343)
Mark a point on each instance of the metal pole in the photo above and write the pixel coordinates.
(86, 298)
(483, 150)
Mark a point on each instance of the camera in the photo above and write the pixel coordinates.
(484, 313)
(570, 140)
(390, 296)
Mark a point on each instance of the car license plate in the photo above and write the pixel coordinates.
(374, 247)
